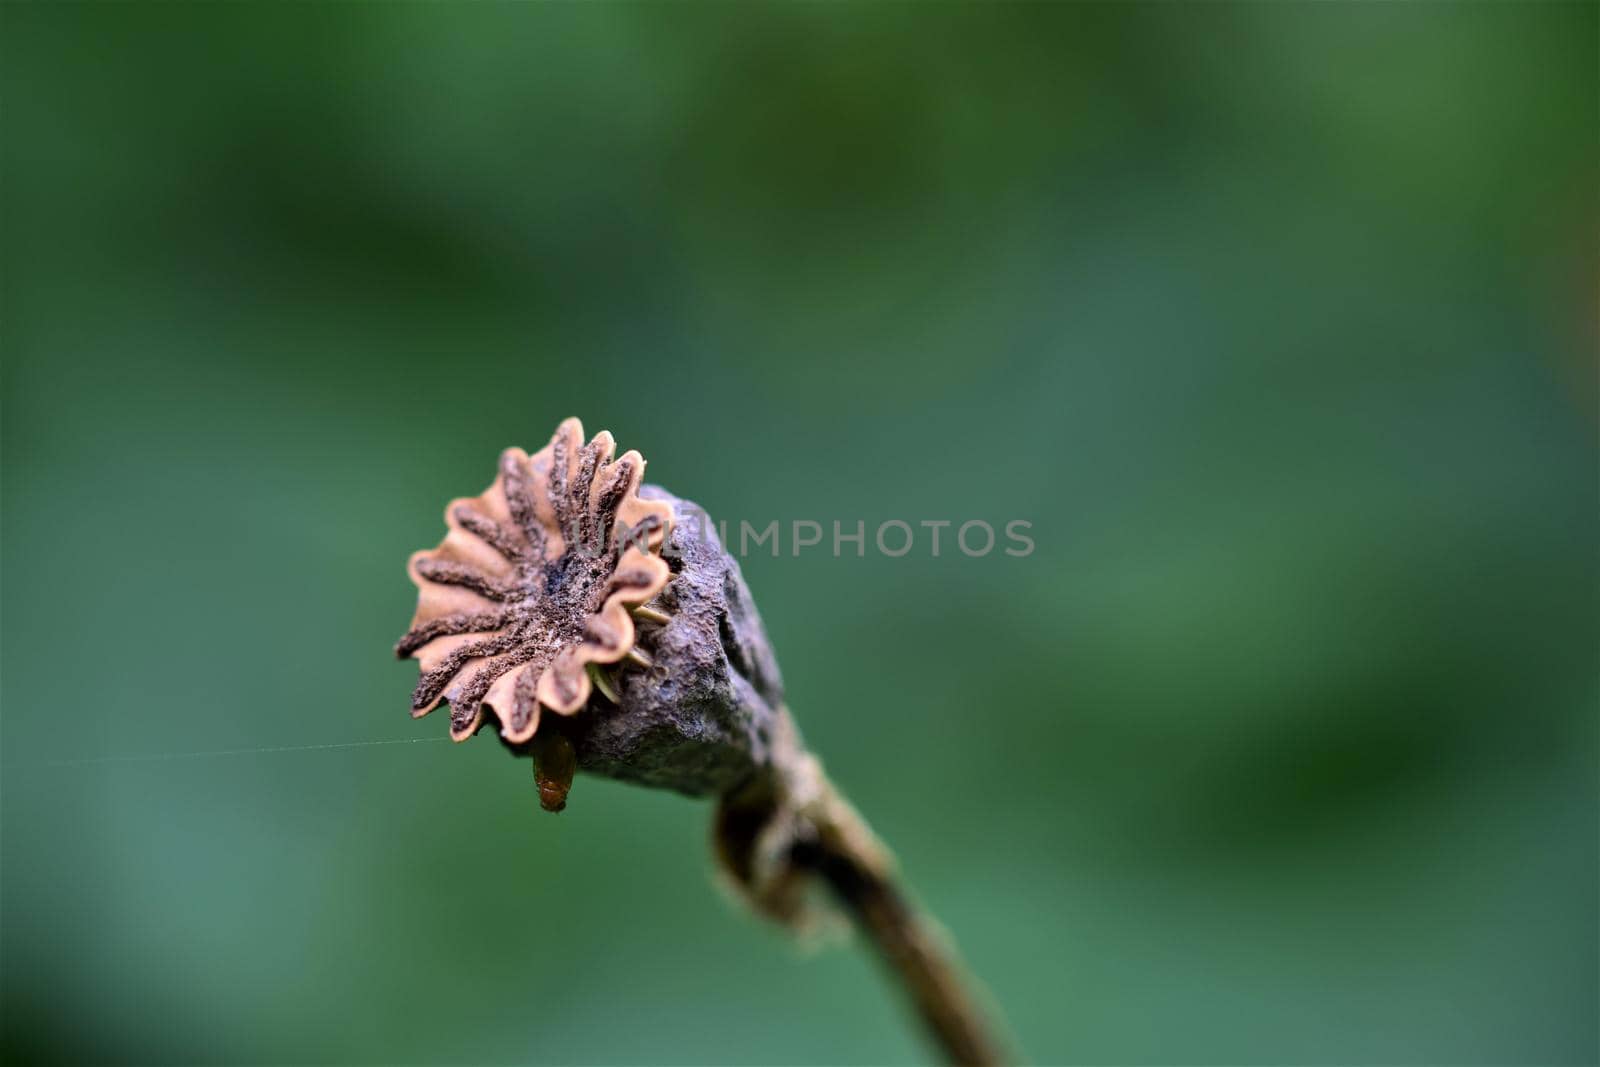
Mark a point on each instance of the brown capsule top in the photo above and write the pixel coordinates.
(533, 582)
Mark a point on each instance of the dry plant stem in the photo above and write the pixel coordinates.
(790, 826)
(914, 949)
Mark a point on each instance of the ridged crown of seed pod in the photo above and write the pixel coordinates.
(534, 582)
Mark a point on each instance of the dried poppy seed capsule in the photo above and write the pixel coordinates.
(531, 602)
(534, 582)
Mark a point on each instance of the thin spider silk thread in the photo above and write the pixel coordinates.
(160, 756)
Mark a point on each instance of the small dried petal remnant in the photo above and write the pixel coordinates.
(535, 581)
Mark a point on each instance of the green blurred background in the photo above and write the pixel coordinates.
(1276, 321)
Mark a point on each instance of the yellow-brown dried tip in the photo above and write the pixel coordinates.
(554, 764)
(534, 581)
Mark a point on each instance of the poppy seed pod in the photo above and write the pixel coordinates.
(566, 587)
(605, 629)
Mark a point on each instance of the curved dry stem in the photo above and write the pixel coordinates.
(791, 825)
(912, 946)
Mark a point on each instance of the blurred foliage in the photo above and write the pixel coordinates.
(1276, 321)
